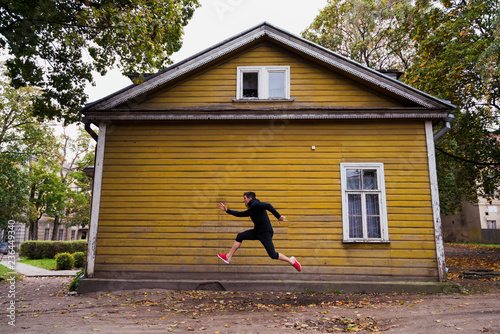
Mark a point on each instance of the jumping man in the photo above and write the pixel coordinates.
(262, 231)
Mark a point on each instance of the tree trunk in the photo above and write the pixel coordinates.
(31, 233)
(56, 228)
(34, 230)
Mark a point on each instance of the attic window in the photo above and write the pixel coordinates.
(263, 83)
(250, 84)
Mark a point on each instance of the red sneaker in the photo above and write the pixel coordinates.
(224, 258)
(296, 264)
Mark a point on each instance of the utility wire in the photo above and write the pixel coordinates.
(467, 160)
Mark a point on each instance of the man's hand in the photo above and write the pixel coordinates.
(282, 219)
(223, 206)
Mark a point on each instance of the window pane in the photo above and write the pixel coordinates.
(370, 179)
(250, 84)
(355, 218)
(373, 216)
(373, 226)
(276, 84)
(353, 179)
(372, 208)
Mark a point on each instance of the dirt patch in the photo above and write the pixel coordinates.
(463, 258)
(43, 305)
(472, 251)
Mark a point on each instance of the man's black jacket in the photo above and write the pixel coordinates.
(257, 212)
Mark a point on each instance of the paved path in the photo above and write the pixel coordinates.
(31, 271)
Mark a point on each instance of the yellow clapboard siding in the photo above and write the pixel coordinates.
(233, 164)
(400, 219)
(304, 196)
(253, 248)
(218, 168)
(235, 175)
(269, 189)
(278, 140)
(108, 207)
(190, 258)
(193, 210)
(389, 127)
(165, 198)
(153, 202)
(418, 234)
(299, 196)
(242, 181)
(309, 83)
(268, 270)
(162, 183)
(290, 144)
(157, 147)
(217, 220)
(397, 249)
(265, 157)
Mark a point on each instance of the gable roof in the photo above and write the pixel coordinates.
(265, 31)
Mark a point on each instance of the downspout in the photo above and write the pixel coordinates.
(445, 128)
(89, 130)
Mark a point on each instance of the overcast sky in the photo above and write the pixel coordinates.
(217, 20)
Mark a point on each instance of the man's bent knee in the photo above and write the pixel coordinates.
(274, 256)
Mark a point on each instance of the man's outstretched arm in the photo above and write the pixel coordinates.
(224, 207)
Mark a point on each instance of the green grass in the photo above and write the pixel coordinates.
(49, 264)
(6, 273)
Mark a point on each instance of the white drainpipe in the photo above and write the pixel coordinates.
(445, 128)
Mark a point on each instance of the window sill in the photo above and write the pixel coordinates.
(252, 100)
(365, 241)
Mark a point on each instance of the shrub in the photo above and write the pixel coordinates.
(28, 249)
(78, 257)
(64, 261)
(36, 249)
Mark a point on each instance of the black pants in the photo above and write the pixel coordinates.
(265, 238)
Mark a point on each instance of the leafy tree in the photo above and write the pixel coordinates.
(457, 47)
(13, 189)
(21, 137)
(450, 49)
(36, 167)
(48, 193)
(77, 151)
(369, 32)
(79, 199)
(56, 45)
(79, 208)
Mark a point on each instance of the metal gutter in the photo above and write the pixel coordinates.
(89, 130)
(445, 128)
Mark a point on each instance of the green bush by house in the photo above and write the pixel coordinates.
(64, 261)
(78, 257)
(36, 249)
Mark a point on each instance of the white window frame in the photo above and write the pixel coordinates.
(384, 233)
(263, 87)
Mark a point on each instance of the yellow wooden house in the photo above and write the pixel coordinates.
(346, 153)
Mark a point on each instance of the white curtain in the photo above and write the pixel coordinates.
(355, 216)
(373, 215)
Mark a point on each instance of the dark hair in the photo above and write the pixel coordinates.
(249, 194)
